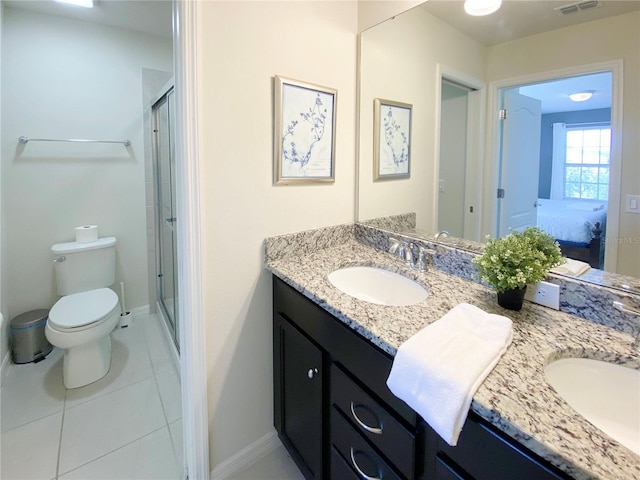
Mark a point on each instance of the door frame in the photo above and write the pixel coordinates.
(192, 339)
(492, 180)
(475, 146)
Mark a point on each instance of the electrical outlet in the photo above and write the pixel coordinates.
(544, 293)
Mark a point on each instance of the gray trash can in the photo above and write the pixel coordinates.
(28, 341)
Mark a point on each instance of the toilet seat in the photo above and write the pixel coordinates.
(82, 310)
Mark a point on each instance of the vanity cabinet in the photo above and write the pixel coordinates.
(298, 410)
(484, 453)
(338, 420)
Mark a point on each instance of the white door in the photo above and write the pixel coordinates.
(520, 162)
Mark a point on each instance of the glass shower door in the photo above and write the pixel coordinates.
(167, 266)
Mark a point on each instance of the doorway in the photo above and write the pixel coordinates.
(611, 68)
(555, 161)
(453, 158)
(163, 118)
(459, 115)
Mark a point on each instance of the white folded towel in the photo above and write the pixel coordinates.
(439, 369)
(572, 267)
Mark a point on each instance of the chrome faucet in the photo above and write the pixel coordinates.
(440, 233)
(405, 252)
(425, 258)
(623, 308)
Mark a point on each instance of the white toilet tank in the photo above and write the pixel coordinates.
(84, 266)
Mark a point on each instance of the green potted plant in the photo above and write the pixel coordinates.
(508, 264)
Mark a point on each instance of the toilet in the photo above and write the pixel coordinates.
(81, 321)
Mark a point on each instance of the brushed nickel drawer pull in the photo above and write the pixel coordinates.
(312, 372)
(376, 430)
(363, 475)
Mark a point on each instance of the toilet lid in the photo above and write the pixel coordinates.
(84, 308)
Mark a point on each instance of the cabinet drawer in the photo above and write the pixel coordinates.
(487, 454)
(446, 470)
(340, 469)
(358, 355)
(356, 450)
(373, 421)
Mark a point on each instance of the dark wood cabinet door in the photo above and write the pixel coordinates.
(299, 415)
(484, 453)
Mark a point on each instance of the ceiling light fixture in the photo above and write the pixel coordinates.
(581, 96)
(478, 8)
(78, 3)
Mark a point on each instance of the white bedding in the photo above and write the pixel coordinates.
(571, 220)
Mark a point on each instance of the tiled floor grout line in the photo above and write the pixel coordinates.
(165, 340)
(164, 410)
(30, 422)
(69, 403)
(60, 437)
(114, 450)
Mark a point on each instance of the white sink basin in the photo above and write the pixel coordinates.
(377, 285)
(607, 395)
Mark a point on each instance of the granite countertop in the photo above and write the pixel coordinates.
(515, 396)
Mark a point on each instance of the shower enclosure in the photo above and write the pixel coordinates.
(166, 247)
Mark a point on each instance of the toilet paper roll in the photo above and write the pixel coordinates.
(86, 233)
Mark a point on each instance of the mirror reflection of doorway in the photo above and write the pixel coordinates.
(167, 266)
(453, 158)
(572, 178)
(459, 146)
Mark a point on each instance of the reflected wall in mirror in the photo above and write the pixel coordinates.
(406, 58)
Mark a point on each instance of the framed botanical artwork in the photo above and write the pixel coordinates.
(391, 139)
(305, 131)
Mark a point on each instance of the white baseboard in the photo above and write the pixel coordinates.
(247, 456)
(139, 311)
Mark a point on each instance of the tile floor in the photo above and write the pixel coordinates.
(125, 426)
(278, 465)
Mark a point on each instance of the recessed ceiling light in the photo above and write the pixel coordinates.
(79, 3)
(478, 8)
(581, 96)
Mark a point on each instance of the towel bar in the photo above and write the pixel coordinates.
(24, 139)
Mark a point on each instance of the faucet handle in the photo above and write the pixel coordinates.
(424, 254)
(405, 253)
(408, 255)
(394, 243)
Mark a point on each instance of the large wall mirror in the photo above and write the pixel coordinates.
(553, 162)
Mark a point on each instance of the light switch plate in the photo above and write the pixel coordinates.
(632, 204)
(545, 294)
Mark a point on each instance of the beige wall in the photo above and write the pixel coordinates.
(63, 78)
(399, 62)
(243, 45)
(372, 12)
(599, 41)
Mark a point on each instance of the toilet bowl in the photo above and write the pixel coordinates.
(81, 324)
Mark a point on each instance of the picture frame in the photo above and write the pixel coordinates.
(304, 132)
(391, 139)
